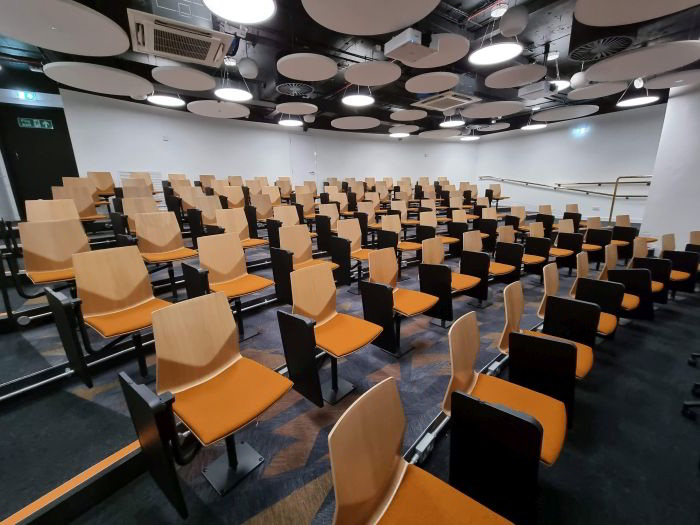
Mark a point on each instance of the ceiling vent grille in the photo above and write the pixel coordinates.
(294, 89)
(164, 38)
(600, 48)
(446, 101)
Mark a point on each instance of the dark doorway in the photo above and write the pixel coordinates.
(35, 158)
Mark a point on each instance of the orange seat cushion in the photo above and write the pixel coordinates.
(410, 222)
(444, 239)
(549, 412)
(629, 301)
(422, 498)
(412, 302)
(528, 258)
(253, 243)
(230, 400)
(407, 246)
(584, 353)
(361, 255)
(171, 255)
(443, 220)
(242, 285)
(484, 235)
(50, 276)
(677, 275)
(617, 242)
(496, 268)
(314, 262)
(461, 282)
(591, 247)
(126, 321)
(607, 323)
(560, 252)
(344, 334)
(656, 286)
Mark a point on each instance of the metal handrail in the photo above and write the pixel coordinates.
(559, 187)
(606, 183)
(618, 183)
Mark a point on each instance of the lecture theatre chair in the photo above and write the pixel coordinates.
(136, 190)
(236, 221)
(87, 183)
(390, 237)
(386, 305)
(608, 296)
(51, 210)
(103, 181)
(223, 269)
(684, 265)
(374, 484)
(635, 288)
(475, 263)
(233, 195)
(82, 198)
(326, 225)
(595, 242)
(134, 205)
(235, 180)
(427, 229)
(287, 215)
(347, 247)
(144, 176)
(337, 334)
(536, 254)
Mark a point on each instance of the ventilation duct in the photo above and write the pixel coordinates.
(446, 101)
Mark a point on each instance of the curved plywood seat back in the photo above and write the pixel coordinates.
(518, 211)
(428, 203)
(456, 203)
(459, 215)
(313, 292)
(668, 242)
(342, 199)
(349, 229)
(433, 251)
(233, 220)
(137, 190)
(81, 197)
(545, 209)
(311, 185)
(158, 232)
(506, 234)
(400, 205)
(391, 223)
(537, 229)
(263, 206)
(610, 261)
(622, 220)
(694, 237)
(235, 180)
(207, 180)
(566, 226)
(51, 210)
(285, 186)
(219, 186)
(234, 195)
(176, 176)
(471, 241)
(102, 180)
(383, 267)
(428, 218)
(496, 189)
(111, 280)
(82, 182)
(223, 256)
(489, 213)
(381, 189)
(254, 186)
(134, 205)
(189, 195)
(208, 204)
(464, 341)
(186, 355)
(50, 245)
(514, 304)
(572, 208)
(373, 198)
(296, 239)
(307, 201)
(273, 192)
(178, 184)
(482, 201)
(581, 271)
(551, 286)
(365, 453)
(368, 209)
(287, 215)
(142, 175)
(329, 210)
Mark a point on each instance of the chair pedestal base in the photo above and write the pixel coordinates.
(336, 388)
(227, 471)
(442, 323)
(399, 352)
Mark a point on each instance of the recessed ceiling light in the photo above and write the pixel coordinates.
(399, 135)
(533, 127)
(561, 84)
(637, 101)
(233, 94)
(469, 138)
(499, 10)
(242, 11)
(167, 101)
(291, 121)
(495, 53)
(358, 96)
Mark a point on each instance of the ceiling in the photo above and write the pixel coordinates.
(551, 27)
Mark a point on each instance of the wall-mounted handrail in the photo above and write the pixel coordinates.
(561, 187)
(618, 183)
(607, 183)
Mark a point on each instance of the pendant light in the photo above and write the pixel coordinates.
(167, 101)
(360, 97)
(452, 122)
(532, 127)
(470, 137)
(233, 91)
(641, 98)
(495, 53)
(290, 121)
(242, 11)
(399, 135)
(561, 84)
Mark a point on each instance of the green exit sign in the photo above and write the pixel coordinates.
(35, 123)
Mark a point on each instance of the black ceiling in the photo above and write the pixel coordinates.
(551, 26)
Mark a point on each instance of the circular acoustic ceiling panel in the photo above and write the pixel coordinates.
(62, 25)
(498, 126)
(440, 133)
(592, 91)
(565, 113)
(98, 79)
(516, 76)
(218, 109)
(297, 108)
(675, 79)
(182, 77)
(308, 67)
(355, 123)
(408, 115)
(604, 13)
(368, 17)
(374, 73)
(493, 109)
(434, 82)
(407, 128)
(451, 48)
(645, 62)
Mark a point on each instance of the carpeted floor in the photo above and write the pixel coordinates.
(630, 455)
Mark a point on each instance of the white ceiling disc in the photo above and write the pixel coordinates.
(516, 76)
(355, 122)
(368, 17)
(408, 115)
(297, 108)
(579, 80)
(62, 25)
(604, 13)
(450, 48)
(408, 128)
(440, 133)
(99, 79)
(565, 113)
(675, 79)
(645, 62)
(498, 126)
(493, 109)
(182, 77)
(308, 67)
(434, 82)
(218, 109)
(514, 21)
(373, 73)
(603, 89)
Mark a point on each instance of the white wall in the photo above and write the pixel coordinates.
(121, 136)
(673, 201)
(616, 144)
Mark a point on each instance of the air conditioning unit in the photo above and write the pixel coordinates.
(164, 37)
(446, 101)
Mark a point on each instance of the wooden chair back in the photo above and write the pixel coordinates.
(233, 220)
(514, 305)
(489, 213)
(208, 204)
(400, 205)
(496, 189)
(518, 211)
(263, 181)
(263, 206)
(551, 286)
(694, 237)
(581, 271)
(223, 256)
(368, 209)
(285, 187)
(593, 223)
(330, 210)
(459, 215)
(219, 186)
(176, 184)
(176, 176)
(311, 184)
(51, 210)
(506, 234)
(382, 189)
(307, 201)
(668, 242)
(342, 199)
(235, 180)
(297, 240)
(349, 229)
(313, 292)
(482, 201)
(144, 176)
(545, 209)
(373, 198)
(158, 232)
(428, 203)
(255, 186)
(50, 245)
(610, 261)
(134, 205)
(456, 204)
(433, 251)
(536, 229)
(566, 226)
(572, 208)
(188, 195)
(622, 220)
(81, 197)
(287, 215)
(82, 182)
(273, 192)
(464, 340)
(383, 267)
(137, 190)
(234, 196)
(428, 218)
(207, 180)
(103, 181)
(391, 223)
(471, 241)
(639, 250)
